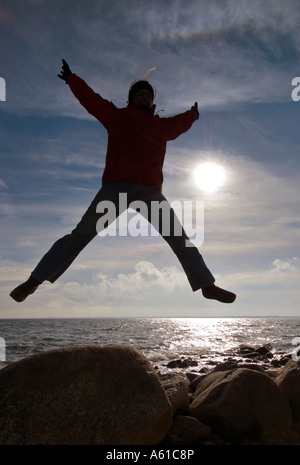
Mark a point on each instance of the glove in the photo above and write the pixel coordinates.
(195, 107)
(65, 71)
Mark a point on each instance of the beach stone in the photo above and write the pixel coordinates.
(288, 380)
(87, 395)
(187, 430)
(174, 363)
(224, 366)
(264, 350)
(242, 402)
(182, 363)
(245, 349)
(176, 388)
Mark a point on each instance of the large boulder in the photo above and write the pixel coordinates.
(91, 395)
(176, 388)
(288, 380)
(242, 403)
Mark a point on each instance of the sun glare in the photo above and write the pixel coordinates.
(209, 176)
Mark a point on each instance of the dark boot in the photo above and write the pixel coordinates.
(216, 293)
(21, 292)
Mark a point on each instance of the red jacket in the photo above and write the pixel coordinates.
(137, 139)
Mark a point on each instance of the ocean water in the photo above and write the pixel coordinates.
(205, 340)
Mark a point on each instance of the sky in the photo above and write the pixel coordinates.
(238, 60)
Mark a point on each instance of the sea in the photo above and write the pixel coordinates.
(205, 341)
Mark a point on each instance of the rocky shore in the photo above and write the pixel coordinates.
(262, 356)
(112, 395)
(250, 398)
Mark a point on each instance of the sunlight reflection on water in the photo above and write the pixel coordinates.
(159, 339)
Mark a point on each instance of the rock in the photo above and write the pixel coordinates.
(91, 395)
(173, 363)
(264, 350)
(182, 363)
(252, 352)
(252, 366)
(187, 430)
(224, 366)
(244, 349)
(176, 388)
(288, 380)
(280, 362)
(230, 365)
(283, 360)
(190, 362)
(196, 381)
(276, 363)
(242, 402)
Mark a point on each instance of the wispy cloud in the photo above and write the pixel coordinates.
(227, 52)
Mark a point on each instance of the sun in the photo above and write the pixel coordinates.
(209, 176)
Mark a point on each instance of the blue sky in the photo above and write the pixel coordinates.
(237, 59)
